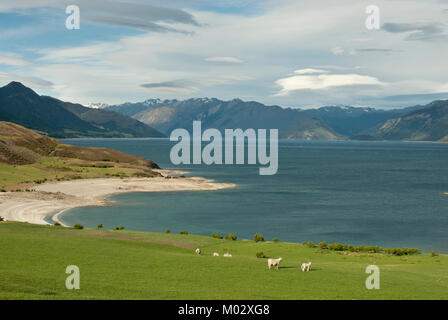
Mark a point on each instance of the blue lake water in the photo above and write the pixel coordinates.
(373, 193)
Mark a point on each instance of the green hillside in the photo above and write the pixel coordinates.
(142, 265)
(27, 157)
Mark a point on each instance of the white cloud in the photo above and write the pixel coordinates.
(337, 51)
(309, 71)
(323, 81)
(224, 59)
(12, 59)
(34, 82)
(270, 42)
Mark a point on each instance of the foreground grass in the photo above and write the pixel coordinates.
(141, 265)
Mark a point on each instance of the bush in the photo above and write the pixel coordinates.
(57, 224)
(116, 228)
(335, 247)
(78, 226)
(401, 252)
(260, 254)
(216, 235)
(167, 231)
(258, 237)
(433, 253)
(275, 239)
(100, 226)
(2, 219)
(39, 181)
(350, 248)
(121, 227)
(309, 244)
(231, 236)
(2, 190)
(183, 232)
(322, 245)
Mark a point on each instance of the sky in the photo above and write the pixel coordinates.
(292, 53)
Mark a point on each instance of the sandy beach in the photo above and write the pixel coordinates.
(54, 198)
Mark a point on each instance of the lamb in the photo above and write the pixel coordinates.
(227, 255)
(198, 251)
(274, 263)
(306, 266)
(215, 254)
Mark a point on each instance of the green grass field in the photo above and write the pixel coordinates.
(14, 177)
(142, 265)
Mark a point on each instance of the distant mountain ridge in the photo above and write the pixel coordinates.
(21, 105)
(167, 115)
(325, 123)
(428, 123)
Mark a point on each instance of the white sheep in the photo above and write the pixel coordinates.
(306, 266)
(274, 263)
(198, 251)
(227, 255)
(215, 254)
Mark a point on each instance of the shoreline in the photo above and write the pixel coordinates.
(55, 198)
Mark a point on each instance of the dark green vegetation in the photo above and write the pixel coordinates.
(57, 118)
(327, 123)
(144, 265)
(27, 157)
(363, 248)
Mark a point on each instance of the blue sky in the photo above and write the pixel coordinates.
(289, 53)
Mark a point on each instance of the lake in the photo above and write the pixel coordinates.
(373, 193)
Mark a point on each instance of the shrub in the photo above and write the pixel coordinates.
(57, 224)
(116, 228)
(335, 247)
(231, 236)
(78, 226)
(2, 190)
(121, 227)
(350, 248)
(433, 253)
(183, 232)
(167, 231)
(258, 237)
(322, 245)
(100, 226)
(260, 254)
(275, 239)
(39, 181)
(216, 235)
(364, 248)
(2, 219)
(309, 244)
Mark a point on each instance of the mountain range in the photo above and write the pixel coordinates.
(21, 105)
(416, 123)
(157, 118)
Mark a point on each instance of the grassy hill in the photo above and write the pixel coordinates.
(142, 265)
(20, 104)
(29, 157)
